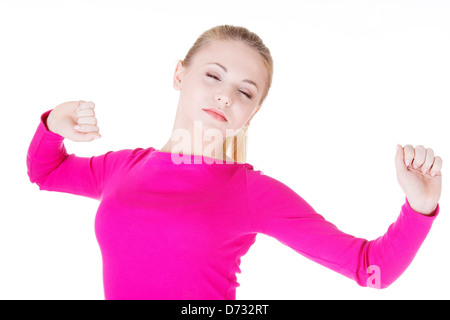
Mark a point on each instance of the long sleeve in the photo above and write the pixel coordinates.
(279, 212)
(53, 169)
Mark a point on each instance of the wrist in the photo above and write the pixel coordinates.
(49, 121)
(425, 209)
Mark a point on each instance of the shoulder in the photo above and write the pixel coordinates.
(140, 152)
(260, 183)
(124, 156)
(266, 188)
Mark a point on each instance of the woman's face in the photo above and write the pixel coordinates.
(229, 76)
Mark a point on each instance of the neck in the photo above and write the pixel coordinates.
(194, 138)
(200, 144)
(206, 149)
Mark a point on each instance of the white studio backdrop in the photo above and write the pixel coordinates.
(352, 79)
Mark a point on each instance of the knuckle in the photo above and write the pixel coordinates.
(419, 150)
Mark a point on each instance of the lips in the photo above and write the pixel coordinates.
(216, 112)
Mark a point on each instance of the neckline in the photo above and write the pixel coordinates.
(195, 159)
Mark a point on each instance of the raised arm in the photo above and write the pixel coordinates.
(278, 211)
(53, 169)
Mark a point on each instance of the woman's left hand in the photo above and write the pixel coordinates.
(419, 175)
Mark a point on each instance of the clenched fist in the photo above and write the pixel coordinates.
(74, 120)
(419, 175)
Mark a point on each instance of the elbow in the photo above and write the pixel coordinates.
(34, 175)
(374, 284)
(379, 286)
(383, 285)
(39, 181)
(374, 278)
(30, 172)
(33, 178)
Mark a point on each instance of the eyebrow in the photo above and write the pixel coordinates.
(245, 80)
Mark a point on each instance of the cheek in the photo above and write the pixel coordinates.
(199, 90)
(194, 92)
(240, 118)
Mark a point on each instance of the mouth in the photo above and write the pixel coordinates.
(216, 114)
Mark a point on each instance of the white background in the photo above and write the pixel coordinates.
(352, 79)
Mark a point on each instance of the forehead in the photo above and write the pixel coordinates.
(238, 57)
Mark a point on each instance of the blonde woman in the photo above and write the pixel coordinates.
(174, 222)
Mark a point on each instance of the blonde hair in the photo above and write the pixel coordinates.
(235, 146)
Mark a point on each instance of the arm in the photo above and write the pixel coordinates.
(277, 211)
(53, 169)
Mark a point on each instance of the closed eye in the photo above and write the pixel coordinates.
(214, 77)
(246, 94)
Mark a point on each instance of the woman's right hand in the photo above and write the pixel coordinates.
(74, 120)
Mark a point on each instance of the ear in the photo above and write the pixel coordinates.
(178, 75)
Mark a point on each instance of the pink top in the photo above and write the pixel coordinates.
(178, 231)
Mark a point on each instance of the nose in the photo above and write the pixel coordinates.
(223, 98)
(223, 101)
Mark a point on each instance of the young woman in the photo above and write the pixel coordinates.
(174, 222)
